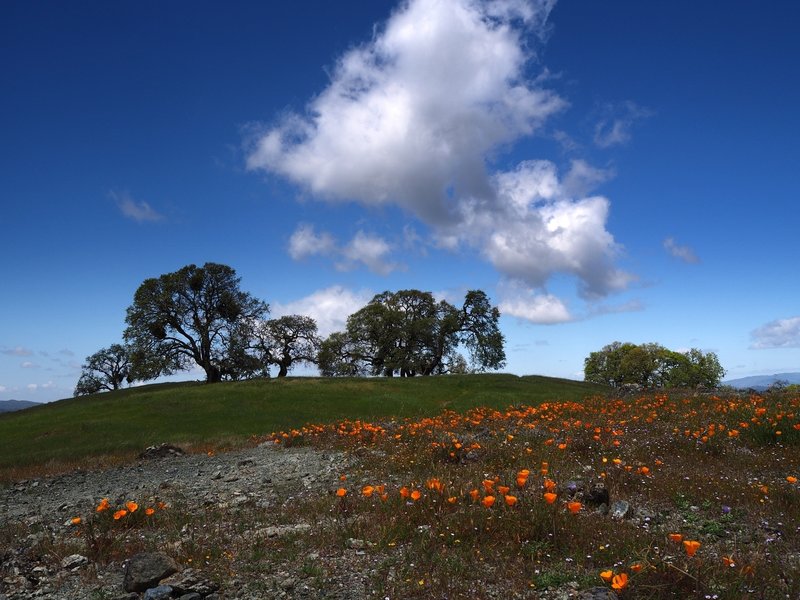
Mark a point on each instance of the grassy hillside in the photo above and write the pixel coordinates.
(78, 431)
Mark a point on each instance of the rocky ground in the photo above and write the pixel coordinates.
(41, 556)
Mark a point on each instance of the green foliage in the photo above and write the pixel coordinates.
(106, 369)
(285, 341)
(196, 315)
(652, 366)
(408, 333)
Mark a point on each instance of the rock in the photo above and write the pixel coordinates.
(191, 581)
(190, 596)
(162, 592)
(162, 451)
(73, 561)
(146, 570)
(596, 495)
(620, 510)
(598, 593)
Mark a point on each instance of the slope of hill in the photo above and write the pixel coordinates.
(75, 431)
(14, 405)
(762, 382)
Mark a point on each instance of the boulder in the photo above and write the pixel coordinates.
(146, 570)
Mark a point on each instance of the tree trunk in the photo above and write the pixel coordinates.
(283, 369)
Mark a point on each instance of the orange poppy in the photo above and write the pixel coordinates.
(452, 500)
(521, 481)
(574, 507)
(791, 479)
(75, 520)
(636, 567)
(474, 495)
(149, 511)
(341, 492)
(691, 546)
(416, 495)
(676, 537)
(550, 497)
(132, 506)
(104, 505)
(405, 492)
(549, 485)
(606, 575)
(619, 582)
(367, 491)
(728, 561)
(119, 514)
(488, 501)
(511, 500)
(503, 489)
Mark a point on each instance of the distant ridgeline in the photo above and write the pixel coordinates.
(762, 382)
(12, 405)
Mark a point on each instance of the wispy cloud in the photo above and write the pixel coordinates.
(364, 249)
(330, 307)
(17, 351)
(139, 211)
(781, 333)
(616, 122)
(684, 253)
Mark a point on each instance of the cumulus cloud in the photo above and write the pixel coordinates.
(140, 211)
(616, 122)
(781, 333)
(366, 249)
(33, 387)
(544, 309)
(29, 365)
(684, 253)
(410, 117)
(330, 307)
(414, 118)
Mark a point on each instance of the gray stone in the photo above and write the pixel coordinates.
(73, 561)
(191, 581)
(146, 570)
(162, 592)
(620, 510)
(190, 596)
(598, 593)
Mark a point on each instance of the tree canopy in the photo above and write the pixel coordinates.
(196, 315)
(285, 341)
(409, 333)
(652, 366)
(106, 369)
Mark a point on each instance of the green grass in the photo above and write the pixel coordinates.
(121, 423)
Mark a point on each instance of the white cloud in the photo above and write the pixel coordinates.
(370, 250)
(306, 242)
(17, 351)
(415, 112)
(537, 308)
(616, 122)
(29, 365)
(413, 118)
(33, 387)
(2, 389)
(781, 333)
(684, 253)
(330, 307)
(140, 212)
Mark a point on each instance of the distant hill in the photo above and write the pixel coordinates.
(12, 405)
(762, 382)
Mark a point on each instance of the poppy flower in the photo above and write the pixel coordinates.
(791, 479)
(488, 501)
(636, 567)
(104, 505)
(75, 520)
(452, 500)
(367, 491)
(119, 514)
(405, 492)
(511, 500)
(341, 492)
(488, 484)
(549, 485)
(474, 495)
(521, 481)
(416, 495)
(149, 511)
(728, 561)
(574, 507)
(691, 547)
(676, 537)
(503, 489)
(619, 582)
(606, 575)
(131, 506)
(550, 497)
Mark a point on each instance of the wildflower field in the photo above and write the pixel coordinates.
(517, 500)
(648, 496)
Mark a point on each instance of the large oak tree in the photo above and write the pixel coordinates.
(196, 315)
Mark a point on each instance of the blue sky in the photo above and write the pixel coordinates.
(608, 171)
